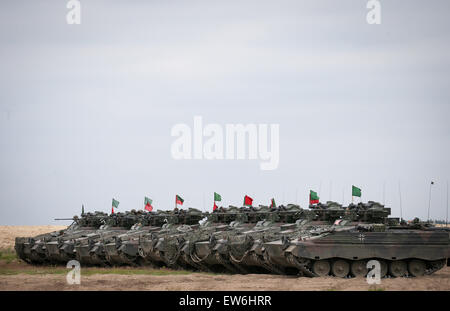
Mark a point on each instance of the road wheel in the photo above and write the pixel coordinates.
(398, 268)
(321, 267)
(383, 268)
(358, 268)
(340, 268)
(416, 267)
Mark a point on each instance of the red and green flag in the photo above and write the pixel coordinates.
(248, 201)
(148, 204)
(178, 200)
(313, 197)
(115, 204)
(218, 198)
(272, 203)
(356, 192)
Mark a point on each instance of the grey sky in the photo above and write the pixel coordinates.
(86, 110)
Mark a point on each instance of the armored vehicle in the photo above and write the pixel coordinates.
(364, 233)
(325, 239)
(50, 247)
(124, 249)
(90, 250)
(209, 247)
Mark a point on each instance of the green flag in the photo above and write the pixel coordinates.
(115, 203)
(356, 192)
(313, 197)
(272, 203)
(148, 204)
(217, 197)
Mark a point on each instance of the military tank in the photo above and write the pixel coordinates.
(61, 249)
(323, 240)
(363, 232)
(210, 247)
(90, 249)
(177, 248)
(124, 250)
(51, 247)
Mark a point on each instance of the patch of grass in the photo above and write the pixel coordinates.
(128, 271)
(30, 270)
(35, 271)
(376, 289)
(8, 255)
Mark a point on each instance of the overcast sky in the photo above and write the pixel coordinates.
(86, 110)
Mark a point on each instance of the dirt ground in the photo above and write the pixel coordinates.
(195, 281)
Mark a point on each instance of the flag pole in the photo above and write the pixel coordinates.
(400, 196)
(352, 194)
(429, 203)
(331, 190)
(384, 193)
(320, 189)
(446, 216)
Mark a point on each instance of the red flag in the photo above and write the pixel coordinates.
(148, 204)
(248, 201)
(112, 210)
(312, 201)
(215, 206)
(178, 200)
(148, 207)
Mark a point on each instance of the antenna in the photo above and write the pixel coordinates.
(446, 216)
(331, 190)
(203, 200)
(400, 196)
(384, 193)
(429, 202)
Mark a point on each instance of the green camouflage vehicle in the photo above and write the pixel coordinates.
(124, 250)
(90, 250)
(209, 248)
(50, 247)
(176, 248)
(61, 250)
(326, 239)
(363, 233)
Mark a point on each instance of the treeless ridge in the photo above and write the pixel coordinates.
(9, 233)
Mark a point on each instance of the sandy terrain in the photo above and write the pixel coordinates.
(438, 281)
(195, 281)
(9, 233)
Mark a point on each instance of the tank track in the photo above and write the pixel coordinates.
(304, 266)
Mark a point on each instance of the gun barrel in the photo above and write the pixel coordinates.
(64, 218)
